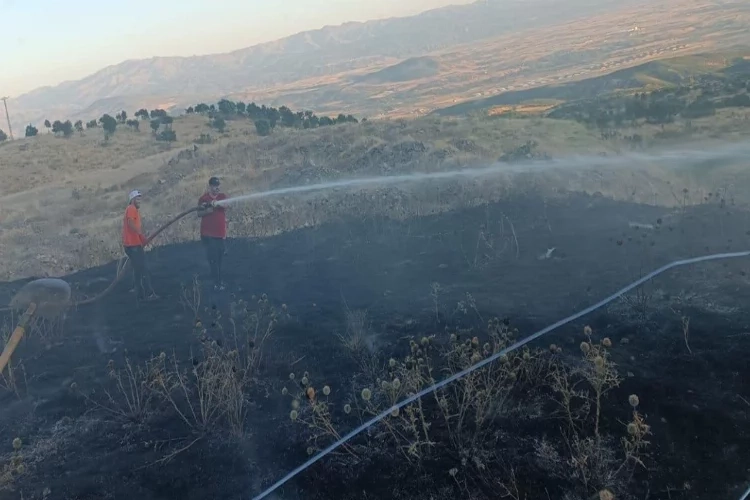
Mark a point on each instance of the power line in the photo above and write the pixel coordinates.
(7, 117)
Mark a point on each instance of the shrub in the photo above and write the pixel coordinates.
(204, 139)
(263, 127)
(207, 392)
(109, 124)
(166, 135)
(64, 128)
(218, 123)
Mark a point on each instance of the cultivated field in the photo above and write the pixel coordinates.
(561, 53)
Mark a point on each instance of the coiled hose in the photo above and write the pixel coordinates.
(494, 357)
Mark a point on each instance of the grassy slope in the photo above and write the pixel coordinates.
(61, 204)
(648, 76)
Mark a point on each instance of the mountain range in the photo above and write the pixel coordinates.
(333, 49)
(342, 67)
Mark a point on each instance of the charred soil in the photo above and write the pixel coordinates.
(680, 344)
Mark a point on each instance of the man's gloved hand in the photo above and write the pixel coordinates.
(205, 205)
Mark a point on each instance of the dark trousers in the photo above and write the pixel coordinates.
(137, 257)
(215, 256)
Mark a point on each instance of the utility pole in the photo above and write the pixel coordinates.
(7, 116)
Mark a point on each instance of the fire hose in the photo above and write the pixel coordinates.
(50, 296)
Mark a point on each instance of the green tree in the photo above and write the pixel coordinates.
(263, 127)
(190, 110)
(201, 108)
(168, 135)
(67, 128)
(254, 112)
(227, 107)
(31, 131)
(157, 113)
(78, 125)
(218, 123)
(109, 125)
(155, 124)
(134, 124)
(62, 128)
(91, 124)
(3, 136)
(142, 114)
(47, 125)
(288, 118)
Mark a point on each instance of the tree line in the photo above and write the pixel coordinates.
(161, 125)
(265, 118)
(696, 100)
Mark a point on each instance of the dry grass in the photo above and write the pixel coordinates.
(209, 391)
(70, 217)
(459, 423)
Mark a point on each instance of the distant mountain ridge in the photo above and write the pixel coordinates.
(319, 52)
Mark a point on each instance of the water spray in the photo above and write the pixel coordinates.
(665, 158)
(493, 358)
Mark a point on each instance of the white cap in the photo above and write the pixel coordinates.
(133, 194)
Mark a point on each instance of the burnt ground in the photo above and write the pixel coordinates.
(696, 402)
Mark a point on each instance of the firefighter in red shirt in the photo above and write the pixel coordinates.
(213, 229)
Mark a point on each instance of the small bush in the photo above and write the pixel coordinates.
(219, 124)
(263, 127)
(204, 139)
(166, 136)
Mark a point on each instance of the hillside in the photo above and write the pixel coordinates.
(414, 68)
(653, 75)
(61, 202)
(481, 48)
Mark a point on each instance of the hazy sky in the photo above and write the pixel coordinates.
(45, 42)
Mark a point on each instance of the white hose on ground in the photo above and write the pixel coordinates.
(494, 357)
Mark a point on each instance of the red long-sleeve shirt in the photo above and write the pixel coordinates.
(214, 225)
